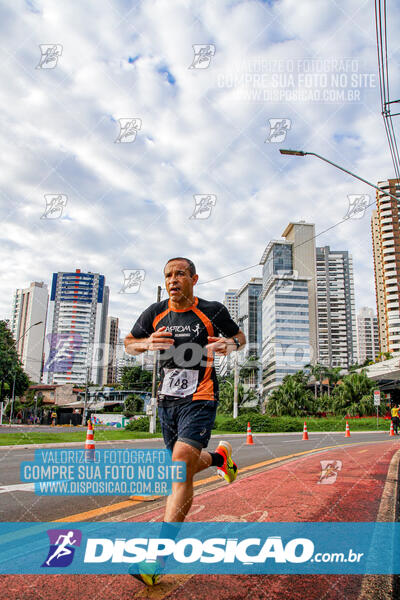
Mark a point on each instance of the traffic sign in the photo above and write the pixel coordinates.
(377, 398)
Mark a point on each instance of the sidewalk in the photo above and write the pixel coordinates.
(285, 493)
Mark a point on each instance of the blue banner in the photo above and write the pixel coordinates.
(60, 472)
(200, 548)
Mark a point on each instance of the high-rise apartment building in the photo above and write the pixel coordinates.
(289, 309)
(231, 303)
(249, 321)
(386, 249)
(336, 308)
(110, 351)
(76, 326)
(249, 315)
(367, 335)
(30, 307)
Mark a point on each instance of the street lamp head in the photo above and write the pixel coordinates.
(38, 323)
(292, 152)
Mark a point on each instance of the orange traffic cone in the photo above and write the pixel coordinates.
(305, 432)
(347, 434)
(249, 439)
(89, 444)
(391, 429)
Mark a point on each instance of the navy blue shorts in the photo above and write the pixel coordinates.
(187, 420)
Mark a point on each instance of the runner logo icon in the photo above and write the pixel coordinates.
(62, 547)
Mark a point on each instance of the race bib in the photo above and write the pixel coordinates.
(179, 382)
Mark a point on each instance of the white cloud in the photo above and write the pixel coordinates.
(129, 204)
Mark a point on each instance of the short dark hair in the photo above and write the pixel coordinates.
(192, 268)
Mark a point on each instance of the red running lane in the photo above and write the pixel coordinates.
(286, 493)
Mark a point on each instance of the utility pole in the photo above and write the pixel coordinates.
(12, 398)
(153, 401)
(235, 387)
(85, 402)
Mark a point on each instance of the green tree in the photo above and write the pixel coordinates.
(316, 372)
(334, 375)
(291, 398)
(225, 404)
(365, 407)
(136, 377)
(351, 392)
(10, 365)
(133, 404)
(324, 403)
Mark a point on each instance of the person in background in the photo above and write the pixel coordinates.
(395, 418)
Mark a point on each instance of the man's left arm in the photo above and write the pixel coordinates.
(232, 337)
(224, 346)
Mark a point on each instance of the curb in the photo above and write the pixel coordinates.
(382, 587)
(80, 444)
(214, 435)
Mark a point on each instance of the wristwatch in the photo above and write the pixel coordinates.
(236, 342)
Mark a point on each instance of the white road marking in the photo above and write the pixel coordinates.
(17, 487)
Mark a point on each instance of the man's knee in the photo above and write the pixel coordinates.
(188, 454)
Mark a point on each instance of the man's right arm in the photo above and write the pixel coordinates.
(158, 340)
(134, 345)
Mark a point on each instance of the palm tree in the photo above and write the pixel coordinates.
(317, 371)
(291, 397)
(334, 376)
(349, 393)
(225, 404)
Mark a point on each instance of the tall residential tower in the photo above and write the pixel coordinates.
(76, 327)
(110, 351)
(367, 335)
(386, 249)
(231, 303)
(30, 307)
(336, 308)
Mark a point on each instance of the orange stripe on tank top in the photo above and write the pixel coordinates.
(206, 387)
(158, 318)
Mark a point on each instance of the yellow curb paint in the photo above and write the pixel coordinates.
(97, 512)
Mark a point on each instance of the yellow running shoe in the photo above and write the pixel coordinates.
(229, 469)
(149, 573)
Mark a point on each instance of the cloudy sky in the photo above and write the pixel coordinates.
(112, 121)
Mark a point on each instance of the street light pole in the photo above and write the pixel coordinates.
(12, 399)
(235, 387)
(153, 401)
(302, 153)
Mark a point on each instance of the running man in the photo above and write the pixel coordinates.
(62, 550)
(187, 331)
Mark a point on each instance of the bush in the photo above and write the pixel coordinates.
(265, 424)
(142, 424)
(258, 423)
